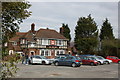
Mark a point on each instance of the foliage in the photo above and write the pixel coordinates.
(86, 35)
(9, 67)
(13, 13)
(106, 31)
(66, 31)
(109, 48)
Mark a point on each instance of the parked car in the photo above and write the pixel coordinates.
(68, 61)
(37, 59)
(88, 60)
(93, 57)
(114, 59)
(107, 61)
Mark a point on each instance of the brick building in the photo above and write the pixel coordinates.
(45, 42)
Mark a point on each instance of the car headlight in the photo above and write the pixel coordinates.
(95, 61)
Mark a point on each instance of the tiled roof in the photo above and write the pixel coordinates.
(21, 33)
(48, 33)
(29, 35)
(41, 33)
(17, 48)
(16, 38)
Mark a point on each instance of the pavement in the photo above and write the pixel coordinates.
(51, 71)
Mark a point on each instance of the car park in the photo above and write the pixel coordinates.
(107, 61)
(88, 60)
(37, 59)
(68, 61)
(114, 59)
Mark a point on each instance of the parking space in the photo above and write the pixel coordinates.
(51, 71)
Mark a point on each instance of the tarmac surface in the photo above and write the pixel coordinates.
(51, 71)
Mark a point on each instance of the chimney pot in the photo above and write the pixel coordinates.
(32, 27)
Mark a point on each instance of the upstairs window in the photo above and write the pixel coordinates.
(22, 41)
(60, 42)
(14, 43)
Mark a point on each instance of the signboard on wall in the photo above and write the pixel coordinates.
(52, 42)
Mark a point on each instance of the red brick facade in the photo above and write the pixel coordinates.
(45, 42)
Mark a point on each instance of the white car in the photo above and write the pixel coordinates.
(100, 61)
(107, 61)
(37, 59)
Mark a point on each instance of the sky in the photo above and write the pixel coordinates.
(52, 14)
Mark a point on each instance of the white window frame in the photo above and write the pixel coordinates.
(59, 52)
(44, 54)
(14, 43)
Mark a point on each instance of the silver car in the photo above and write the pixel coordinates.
(37, 59)
(105, 60)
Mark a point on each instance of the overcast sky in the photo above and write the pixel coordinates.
(53, 14)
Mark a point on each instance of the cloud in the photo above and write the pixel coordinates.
(53, 14)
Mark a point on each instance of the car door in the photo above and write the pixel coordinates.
(112, 58)
(88, 60)
(115, 59)
(68, 61)
(62, 61)
(85, 60)
(37, 59)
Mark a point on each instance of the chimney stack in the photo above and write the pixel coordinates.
(32, 27)
(61, 30)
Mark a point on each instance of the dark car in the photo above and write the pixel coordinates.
(88, 60)
(68, 61)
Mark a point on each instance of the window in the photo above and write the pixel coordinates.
(57, 52)
(44, 41)
(22, 41)
(60, 42)
(14, 43)
(45, 53)
(37, 57)
(61, 52)
(69, 58)
(42, 53)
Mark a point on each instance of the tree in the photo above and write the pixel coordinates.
(108, 42)
(66, 31)
(109, 48)
(106, 31)
(13, 13)
(86, 35)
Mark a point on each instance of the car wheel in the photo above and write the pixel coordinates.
(73, 65)
(118, 62)
(99, 62)
(56, 63)
(96, 64)
(43, 62)
(108, 62)
(78, 65)
(92, 64)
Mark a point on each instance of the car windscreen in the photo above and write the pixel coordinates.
(78, 58)
(93, 58)
(99, 57)
(43, 57)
